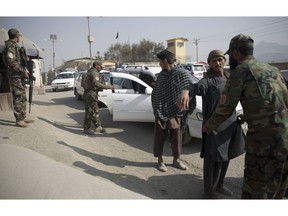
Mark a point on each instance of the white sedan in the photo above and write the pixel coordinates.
(131, 101)
(64, 80)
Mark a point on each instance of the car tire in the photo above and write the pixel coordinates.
(78, 96)
(186, 138)
(54, 90)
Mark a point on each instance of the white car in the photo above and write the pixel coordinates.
(197, 70)
(131, 101)
(77, 88)
(63, 81)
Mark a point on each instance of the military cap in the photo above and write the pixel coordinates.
(165, 54)
(97, 63)
(13, 33)
(240, 40)
(215, 53)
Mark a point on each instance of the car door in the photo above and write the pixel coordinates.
(132, 101)
(78, 86)
(106, 96)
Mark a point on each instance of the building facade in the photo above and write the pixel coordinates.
(178, 47)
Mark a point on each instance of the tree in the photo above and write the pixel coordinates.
(98, 57)
(145, 51)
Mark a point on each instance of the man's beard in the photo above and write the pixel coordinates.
(232, 62)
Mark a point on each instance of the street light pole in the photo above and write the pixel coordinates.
(90, 40)
(53, 37)
(196, 41)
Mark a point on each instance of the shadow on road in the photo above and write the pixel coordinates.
(7, 123)
(188, 186)
(67, 101)
(136, 134)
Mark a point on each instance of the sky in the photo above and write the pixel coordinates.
(212, 32)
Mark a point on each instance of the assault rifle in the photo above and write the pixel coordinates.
(28, 63)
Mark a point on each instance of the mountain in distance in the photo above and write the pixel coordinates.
(271, 52)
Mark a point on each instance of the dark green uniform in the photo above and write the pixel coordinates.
(17, 81)
(90, 98)
(264, 97)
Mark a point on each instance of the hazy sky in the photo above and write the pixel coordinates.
(71, 27)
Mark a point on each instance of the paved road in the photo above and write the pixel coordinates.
(122, 157)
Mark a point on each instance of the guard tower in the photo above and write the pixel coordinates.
(177, 46)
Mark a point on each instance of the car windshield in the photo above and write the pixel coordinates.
(105, 77)
(187, 67)
(198, 68)
(65, 76)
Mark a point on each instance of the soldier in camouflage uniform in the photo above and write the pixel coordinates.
(90, 98)
(18, 74)
(264, 97)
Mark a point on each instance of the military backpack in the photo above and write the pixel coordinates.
(85, 81)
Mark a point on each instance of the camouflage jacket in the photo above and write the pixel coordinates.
(96, 83)
(264, 97)
(14, 60)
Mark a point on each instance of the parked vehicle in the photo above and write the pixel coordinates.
(131, 101)
(64, 81)
(147, 73)
(197, 70)
(78, 89)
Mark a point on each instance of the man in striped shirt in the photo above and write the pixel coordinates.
(169, 84)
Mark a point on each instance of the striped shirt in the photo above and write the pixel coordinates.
(166, 91)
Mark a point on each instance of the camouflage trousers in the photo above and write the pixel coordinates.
(18, 89)
(265, 177)
(91, 111)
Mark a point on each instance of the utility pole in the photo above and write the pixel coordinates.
(90, 40)
(196, 41)
(53, 37)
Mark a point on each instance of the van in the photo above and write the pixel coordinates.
(197, 70)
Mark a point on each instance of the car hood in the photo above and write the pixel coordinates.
(62, 81)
